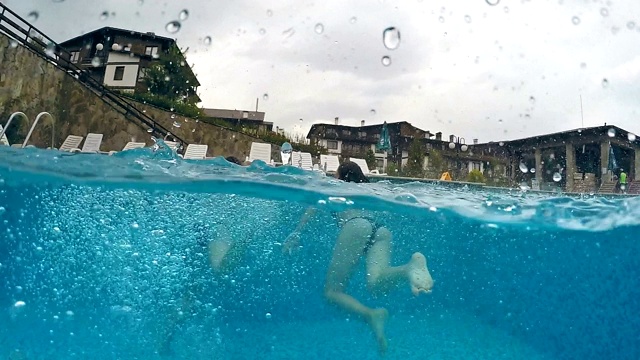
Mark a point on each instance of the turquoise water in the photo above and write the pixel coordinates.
(97, 252)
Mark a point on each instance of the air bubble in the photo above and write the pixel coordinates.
(173, 27)
(524, 168)
(33, 16)
(207, 40)
(532, 99)
(19, 304)
(557, 177)
(441, 19)
(173, 116)
(575, 20)
(135, 225)
(611, 132)
(104, 15)
(13, 44)
(149, 130)
(319, 28)
(184, 15)
(268, 315)
(265, 96)
(50, 50)
(391, 38)
(157, 232)
(386, 61)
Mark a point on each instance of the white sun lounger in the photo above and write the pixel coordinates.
(4, 140)
(173, 145)
(260, 151)
(71, 143)
(363, 165)
(302, 160)
(92, 143)
(329, 163)
(196, 152)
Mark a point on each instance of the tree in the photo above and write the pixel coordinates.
(436, 163)
(370, 158)
(415, 161)
(170, 78)
(475, 176)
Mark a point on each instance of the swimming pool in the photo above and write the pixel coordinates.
(97, 252)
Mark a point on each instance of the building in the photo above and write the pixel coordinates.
(119, 58)
(249, 120)
(356, 141)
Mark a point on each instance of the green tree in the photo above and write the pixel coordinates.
(436, 163)
(415, 161)
(475, 176)
(170, 78)
(370, 158)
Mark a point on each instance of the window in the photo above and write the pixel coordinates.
(332, 145)
(476, 166)
(119, 73)
(75, 56)
(151, 51)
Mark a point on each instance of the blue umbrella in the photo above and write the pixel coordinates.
(612, 165)
(384, 144)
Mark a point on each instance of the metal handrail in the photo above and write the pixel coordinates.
(17, 113)
(60, 58)
(53, 124)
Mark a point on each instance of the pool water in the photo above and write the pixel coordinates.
(97, 253)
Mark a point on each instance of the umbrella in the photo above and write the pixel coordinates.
(384, 144)
(612, 165)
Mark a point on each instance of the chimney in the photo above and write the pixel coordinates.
(438, 136)
(361, 122)
(475, 141)
(336, 120)
(257, 104)
(452, 138)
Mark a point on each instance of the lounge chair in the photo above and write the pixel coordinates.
(260, 151)
(302, 160)
(4, 140)
(71, 143)
(196, 152)
(92, 143)
(363, 165)
(329, 163)
(173, 145)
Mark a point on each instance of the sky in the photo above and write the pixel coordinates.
(479, 69)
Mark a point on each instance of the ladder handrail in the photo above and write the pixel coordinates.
(53, 124)
(17, 113)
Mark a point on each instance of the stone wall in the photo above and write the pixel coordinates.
(31, 84)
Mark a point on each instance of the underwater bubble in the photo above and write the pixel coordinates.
(493, 2)
(523, 168)
(2, 210)
(167, 78)
(391, 38)
(184, 15)
(557, 177)
(33, 16)
(506, 9)
(176, 124)
(173, 27)
(353, 20)
(265, 96)
(157, 232)
(319, 28)
(604, 12)
(193, 130)
(631, 25)
(19, 304)
(135, 224)
(575, 20)
(268, 315)
(50, 50)
(467, 19)
(386, 61)
(605, 83)
(207, 40)
(631, 137)
(611, 132)
(69, 313)
(104, 15)
(583, 65)
(262, 31)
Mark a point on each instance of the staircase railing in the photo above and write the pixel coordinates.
(22, 32)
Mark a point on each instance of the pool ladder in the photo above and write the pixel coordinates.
(22, 115)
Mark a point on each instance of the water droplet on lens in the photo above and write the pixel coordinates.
(104, 15)
(631, 137)
(140, 2)
(262, 31)
(50, 50)
(268, 315)
(611, 132)
(467, 19)
(493, 2)
(523, 168)
(184, 15)
(33, 16)
(441, 19)
(605, 83)
(532, 99)
(386, 61)
(207, 40)
(506, 9)
(95, 62)
(173, 27)
(604, 12)
(575, 20)
(149, 130)
(176, 124)
(319, 28)
(13, 44)
(532, 170)
(501, 143)
(373, 111)
(269, 13)
(353, 20)
(557, 177)
(265, 96)
(631, 25)
(391, 38)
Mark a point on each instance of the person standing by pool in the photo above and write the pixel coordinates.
(362, 236)
(622, 180)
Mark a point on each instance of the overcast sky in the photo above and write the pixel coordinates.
(463, 67)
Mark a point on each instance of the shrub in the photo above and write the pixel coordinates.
(475, 176)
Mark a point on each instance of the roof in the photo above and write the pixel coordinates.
(595, 130)
(314, 127)
(108, 29)
(234, 114)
